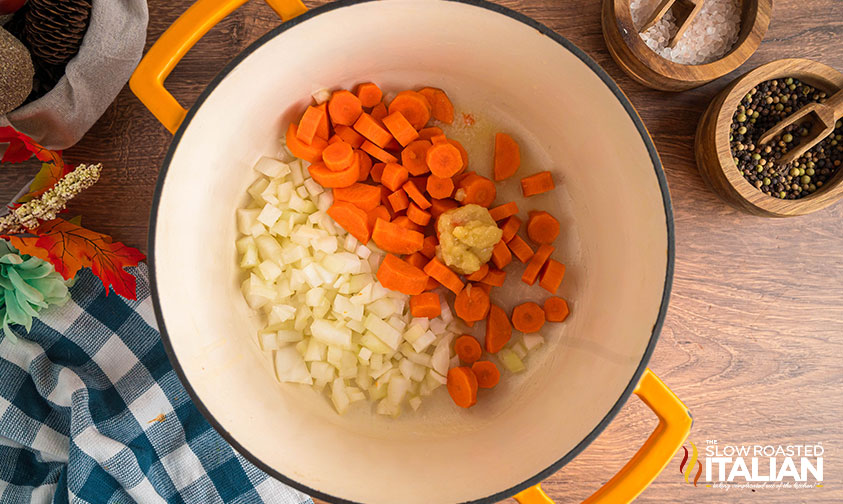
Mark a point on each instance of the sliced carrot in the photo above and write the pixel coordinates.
(333, 179)
(471, 304)
(380, 212)
(400, 128)
(528, 317)
(555, 309)
(486, 288)
(352, 219)
(439, 139)
(536, 184)
(398, 201)
(463, 152)
(468, 349)
(420, 182)
(442, 108)
(393, 145)
(462, 386)
(507, 156)
(379, 111)
(477, 190)
(498, 329)
(520, 249)
(444, 160)
(413, 157)
(394, 176)
(369, 94)
(439, 187)
(501, 255)
(377, 153)
(349, 136)
(443, 275)
(395, 274)
(479, 274)
(417, 259)
(377, 171)
(365, 165)
(311, 152)
(428, 133)
(405, 222)
(531, 272)
(542, 227)
(494, 277)
(344, 107)
(334, 139)
(309, 123)
(425, 305)
(417, 215)
(432, 284)
(552, 275)
(338, 156)
(364, 197)
(510, 227)
(416, 195)
(501, 212)
(373, 130)
(462, 176)
(429, 247)
(487, 374)
(323, 130)
(391, 237)
(413, 106)
(440, 206)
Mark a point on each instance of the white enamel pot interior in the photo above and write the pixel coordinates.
(514, 75)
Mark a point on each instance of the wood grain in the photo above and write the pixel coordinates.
(753, 341)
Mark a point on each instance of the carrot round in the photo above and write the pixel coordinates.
(364, 197)
(394, 175)
(555, 309)
(413, 106)
(531, 272)
(479, 274)
(429, 247)
(428, 133)
(344, 108)
(379, 111)
(468, 349)
(416, 195)
(417, 215)
(507, 156)
(414, 157)
(377, 171)
(520, 249)
(487, 374)
(552, 275)
(444, 160)
(443, 275)
(439, 187)
(380, 212)
(425, 305)
(400, 128)
(501, 212)
(309, 123)
(498, 329)
(398, 201)
(405, 222)
(542, 227)
(377, 153)
(472, 304)
(334, 139)
(349, 136)
(463, 152)
(510, 227)
(338, 156)
(373, 130)
(494, 278)
(416, 259)
(537, 184)
(395, 274)
(477, 190)
(311, 152)
(391, 237)
(528, 317)
(365, 165)
(441, 107)
(369, 94)
(352, 219)
(440, 206)
(462, 386)
(501, 256)
(333, 179)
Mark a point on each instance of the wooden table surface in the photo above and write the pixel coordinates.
(753, 341)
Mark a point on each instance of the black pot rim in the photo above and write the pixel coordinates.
(657, 326)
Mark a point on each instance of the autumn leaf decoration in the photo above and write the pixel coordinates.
(65, 243)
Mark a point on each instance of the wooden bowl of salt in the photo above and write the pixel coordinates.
(722, 35)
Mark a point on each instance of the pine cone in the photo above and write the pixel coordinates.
(54, 29)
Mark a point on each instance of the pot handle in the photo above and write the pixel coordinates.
(674, 426)
(147, 82)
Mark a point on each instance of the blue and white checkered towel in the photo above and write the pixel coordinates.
(91, 411)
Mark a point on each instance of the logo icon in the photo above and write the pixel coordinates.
(687, 466)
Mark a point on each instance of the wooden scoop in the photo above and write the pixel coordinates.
(823, 117)
(683, 10)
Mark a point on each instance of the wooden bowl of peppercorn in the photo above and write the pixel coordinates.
(747, 175)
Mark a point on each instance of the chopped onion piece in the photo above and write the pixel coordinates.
(532, 341)
(511, 361)
(290, 367)
(385, 332)
(331, 334)
(415, 402)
